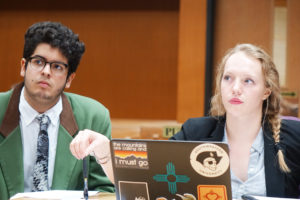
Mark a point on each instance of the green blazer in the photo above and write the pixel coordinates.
(78, 113)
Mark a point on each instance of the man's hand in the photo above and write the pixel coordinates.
(93, 143)
(90, 142)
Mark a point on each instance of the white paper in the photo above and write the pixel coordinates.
(54, 194)
(271, 198)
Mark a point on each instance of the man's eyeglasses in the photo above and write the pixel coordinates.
(38, 63)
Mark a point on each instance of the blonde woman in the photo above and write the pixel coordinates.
(264, 150)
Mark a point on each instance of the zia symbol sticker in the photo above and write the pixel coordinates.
(171, 178)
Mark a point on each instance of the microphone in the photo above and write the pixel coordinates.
(85, 179)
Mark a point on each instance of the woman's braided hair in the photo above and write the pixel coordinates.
(271, 106)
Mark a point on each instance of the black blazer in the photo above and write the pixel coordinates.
(278, 183)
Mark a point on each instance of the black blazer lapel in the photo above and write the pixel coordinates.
(275, 179)
(218, 133)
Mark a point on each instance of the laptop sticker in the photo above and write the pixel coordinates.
(131, 155)
(212, 192)
(185, 196)
(133, 190)
(171, 178)
(209, 160)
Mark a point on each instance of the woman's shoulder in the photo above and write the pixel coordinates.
(290, 134)
(292, 127)
(198, 128)
(290, 139)
(203, 121)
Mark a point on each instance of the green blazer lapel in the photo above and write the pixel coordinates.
(64, 160)
(11, 162)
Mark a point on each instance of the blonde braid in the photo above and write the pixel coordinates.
(276, 123)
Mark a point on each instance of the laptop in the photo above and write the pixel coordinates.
(164, 169)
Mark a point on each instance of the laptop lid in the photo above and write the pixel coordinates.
(164, 169)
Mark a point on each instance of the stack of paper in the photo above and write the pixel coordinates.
(62, 195)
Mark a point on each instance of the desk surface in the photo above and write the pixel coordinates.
(102, 196)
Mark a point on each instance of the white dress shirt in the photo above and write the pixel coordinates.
(29, 130)
(256, 182)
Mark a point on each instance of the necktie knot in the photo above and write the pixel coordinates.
(44, 122)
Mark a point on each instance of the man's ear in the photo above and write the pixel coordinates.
(267, 93)
(70, 79)
(23, 68)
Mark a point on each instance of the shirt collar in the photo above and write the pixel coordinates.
(258, 144)
(29, 114)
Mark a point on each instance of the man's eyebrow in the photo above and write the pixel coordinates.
(38, 56)
(55, 61)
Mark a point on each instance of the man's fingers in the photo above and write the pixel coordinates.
(88, 141)
(79, 144)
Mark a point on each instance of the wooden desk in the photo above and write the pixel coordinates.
(104, 196)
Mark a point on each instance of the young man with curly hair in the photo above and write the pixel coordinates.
(52, 53)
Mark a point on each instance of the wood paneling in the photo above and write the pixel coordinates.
(293, 49)
(247, 21)
(89, 5)
(281, 3)
(130, 64)
(293, 45)
(141, 129)
(144, 59)
(191, 59)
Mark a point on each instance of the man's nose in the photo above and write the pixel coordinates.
(47, 69)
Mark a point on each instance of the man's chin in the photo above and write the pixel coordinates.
(43, 97)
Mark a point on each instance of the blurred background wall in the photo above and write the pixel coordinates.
(150, 59)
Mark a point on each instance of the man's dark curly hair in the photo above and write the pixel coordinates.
(56, 35)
